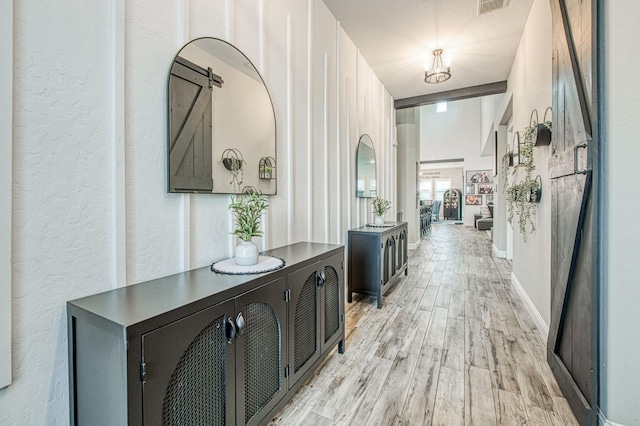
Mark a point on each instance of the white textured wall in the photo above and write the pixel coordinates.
(6, 109)
(620, 370)
(455, 134)
(530, 81)
(90, 208)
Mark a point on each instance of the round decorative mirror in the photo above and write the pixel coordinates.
(366, 168)
(221, 122)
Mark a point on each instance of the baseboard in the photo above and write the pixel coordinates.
(502, 254)
(543, 328)
(603, 421)
(413, 246)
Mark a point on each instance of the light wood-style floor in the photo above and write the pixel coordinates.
(452, 345)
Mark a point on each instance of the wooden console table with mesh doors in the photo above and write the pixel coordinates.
(376, 258)
(206, 348)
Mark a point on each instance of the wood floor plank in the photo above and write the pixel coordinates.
(510, 408)
(437, 327)
(475, 344)
(501, 364)
(418, 409)
(449, 405)
(394, 392)
(428, 300)
(456, 305)
(479, 404)
(453, 351)
(365, 394)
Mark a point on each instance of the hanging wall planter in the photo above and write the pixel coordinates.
(233, 161)
(267, 168)
(538, 134)
(508, 156)
(534, 192)
(517, 144)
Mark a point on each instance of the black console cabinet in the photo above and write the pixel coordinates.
(206, 348)
(376, 258)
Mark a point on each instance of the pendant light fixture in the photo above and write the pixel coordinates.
(438, 73)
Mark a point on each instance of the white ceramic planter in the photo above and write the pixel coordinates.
(246, 254)
(379, 220)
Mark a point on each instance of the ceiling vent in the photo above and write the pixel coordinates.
(486, 6)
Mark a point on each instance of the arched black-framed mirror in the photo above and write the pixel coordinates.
(217, 104)
(366, 181)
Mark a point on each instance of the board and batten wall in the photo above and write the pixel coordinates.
(90, 209)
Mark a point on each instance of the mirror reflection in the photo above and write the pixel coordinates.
(365, 168)
(221, 122)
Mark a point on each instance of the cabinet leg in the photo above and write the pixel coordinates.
(341, 346)
(379, 301)
(349, 297)
(406, 271)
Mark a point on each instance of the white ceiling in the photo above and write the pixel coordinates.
(397, 37)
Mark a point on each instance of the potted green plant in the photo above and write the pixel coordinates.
(380, 207)
(247, 211)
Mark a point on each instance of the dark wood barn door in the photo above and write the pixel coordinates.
(573, 334)
(190, 133)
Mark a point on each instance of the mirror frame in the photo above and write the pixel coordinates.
(246, 186)
(362, 142)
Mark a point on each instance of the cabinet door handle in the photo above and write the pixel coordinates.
(240, 324)
(230, 330)
(321, 279)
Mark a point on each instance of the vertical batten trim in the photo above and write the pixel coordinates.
(289, 136)
(229, 20)
(262, 41)
(118, 155)
(230, 226)
(184, 11)
(266, 236)
(338, 144)
(325, 140)
(186, 199)
(309, 121)
(357, 115)
(6, 183)
(347, 107)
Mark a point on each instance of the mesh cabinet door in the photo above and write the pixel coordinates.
(261, 351)
(304, 321)
(189, 371)
(332, 295)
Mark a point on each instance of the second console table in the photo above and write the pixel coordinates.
(376, 257)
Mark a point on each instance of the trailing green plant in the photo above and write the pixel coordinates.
(237, 173)
(247, 211)
(521, 197)
(380, 205)
(525, 205)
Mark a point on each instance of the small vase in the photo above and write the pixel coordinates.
(246, 254)
(379, 220)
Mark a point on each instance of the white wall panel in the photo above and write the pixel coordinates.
(348, 134)
(154, 238)
(6, 181)
(62, 215)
